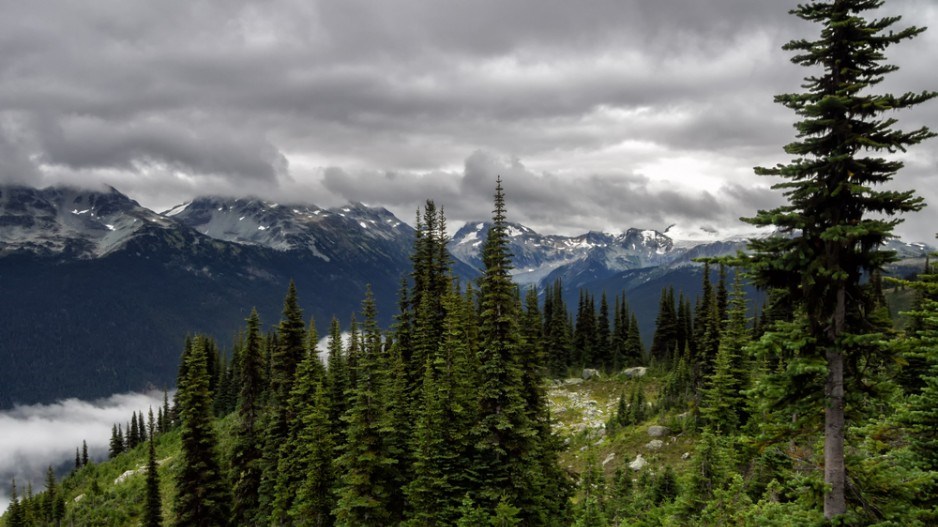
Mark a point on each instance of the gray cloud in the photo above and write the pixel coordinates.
(328, 100)
(37, 436)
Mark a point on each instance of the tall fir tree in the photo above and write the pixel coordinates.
(246, 454)
(152, 503)
(830, 238)
(315, 496)
(665, 336)
(294, 451)
(506, 439)
(364, 490)
(202, 496)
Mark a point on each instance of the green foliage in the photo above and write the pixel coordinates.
(202, 496)
(838, 215)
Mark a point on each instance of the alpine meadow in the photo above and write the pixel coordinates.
(787, 378)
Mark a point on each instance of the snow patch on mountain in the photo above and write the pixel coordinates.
(62, 220)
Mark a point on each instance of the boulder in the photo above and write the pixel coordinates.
(685, 456)
(632, 373)
(658, 431)
(655, 444)
(590, 373)
(609, 458)
(638, 463)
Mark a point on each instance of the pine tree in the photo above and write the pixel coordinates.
(201, 492)
(133, 435)
(117, 443)
(50, 498)
(84, 452)
(285, 357)
(152, 505)
(557, 339)
(247, 456)
(507, 442)
(291, 469)
(830, 241)
(604, 351)
(364, 493)
(338, 381)
(141, 428)
(634, 349)
(16, 513)
(665, 327)
(922, 415)
(315, 499)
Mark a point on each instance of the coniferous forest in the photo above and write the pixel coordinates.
(487, 405)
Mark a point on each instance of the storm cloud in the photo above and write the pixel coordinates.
(610, 113)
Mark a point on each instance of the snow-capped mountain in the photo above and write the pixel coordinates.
(99, 292)
(538, 257)
(75, 223)
(285, 227)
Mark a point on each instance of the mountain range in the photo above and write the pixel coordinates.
(98, 293)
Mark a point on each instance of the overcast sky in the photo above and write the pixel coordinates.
(601, 114)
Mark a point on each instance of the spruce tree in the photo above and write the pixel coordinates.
(508, 445)
(291, 468)
(247, 456)
(16, 513)
(665, 327)
(364, 491)
(201, 491)
(116, 444)
(84, 452)
(830, 240)
(286, 355)
(315, 496)
(152, 505)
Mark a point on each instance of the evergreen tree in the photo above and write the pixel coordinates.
(152, 505)
(84, 452)
(557, 339)
(506, 440)
(604, 352)
(133, 435)
(634, 349)
(201, 492)
(315, 499)
(338, 381)
(246, 455)
(285, 357)
(294, 451)
(922, 415)
(50, 498)
(16, 513)
(364, 494)
(830, 241)
(117, 443)
(665, 327)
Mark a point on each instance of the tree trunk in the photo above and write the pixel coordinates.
(835, 474)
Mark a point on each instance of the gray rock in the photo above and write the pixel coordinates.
(658, 431)
(685, 456)
(638, 371)
(655, 444)
(589, 373)
(638, 463)
(572, 381)
(609, 458)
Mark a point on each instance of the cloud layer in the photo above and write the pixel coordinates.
(659, 106)
(38, 436)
